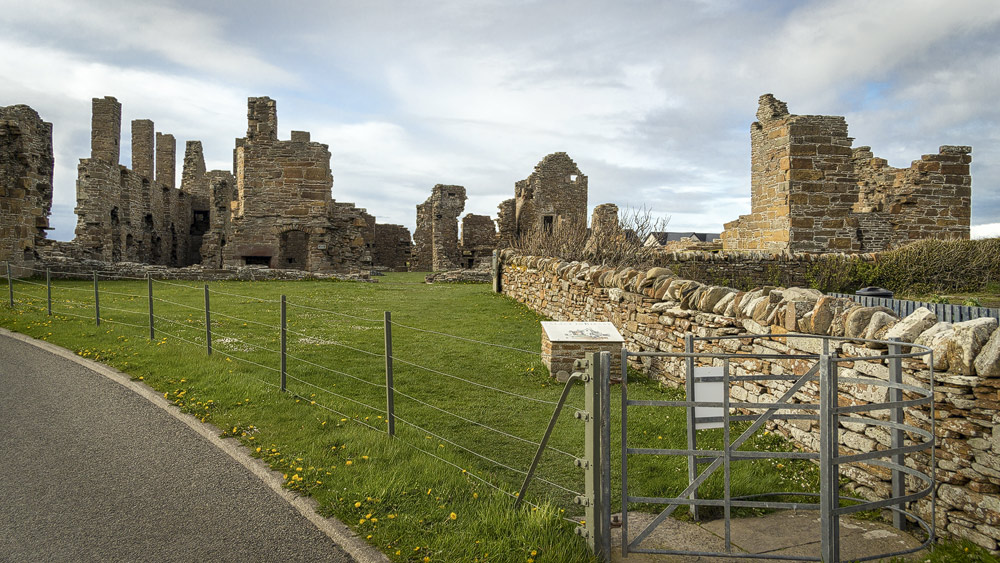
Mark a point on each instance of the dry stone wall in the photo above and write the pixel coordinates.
(654, 310)
(811, 192)
(26, 165)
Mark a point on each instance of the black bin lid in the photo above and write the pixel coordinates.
(874, 292)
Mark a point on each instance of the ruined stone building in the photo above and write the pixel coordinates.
(281, 211)
(438, 246)
(435, 242)
(812, 192)
(26, 165)
(274, 209)
(552, 198)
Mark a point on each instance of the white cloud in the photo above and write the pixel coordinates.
(988, 230)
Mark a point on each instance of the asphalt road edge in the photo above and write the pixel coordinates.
(333, 528)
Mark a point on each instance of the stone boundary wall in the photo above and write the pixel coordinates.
(654, 309)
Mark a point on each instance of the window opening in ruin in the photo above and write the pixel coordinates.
(547, 223)
(116, 236)
(572, 177)
(451, 194)
(257, 260)
(29, 255)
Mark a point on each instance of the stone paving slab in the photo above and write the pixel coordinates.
(787, 533)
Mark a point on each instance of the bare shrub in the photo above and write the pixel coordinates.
(614, 245)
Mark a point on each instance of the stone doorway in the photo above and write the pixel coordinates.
(294, 250)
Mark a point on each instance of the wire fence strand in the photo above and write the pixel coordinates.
(317, 387)
(338, 372)
(298, 306)
(399, 393)
(505, 347)
(476, 383)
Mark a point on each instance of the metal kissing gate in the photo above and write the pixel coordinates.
(708, 404)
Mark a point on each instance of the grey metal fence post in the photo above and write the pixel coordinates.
(208, 323)
(97, 301)
(828, 471)
(48, 290)
(603, 526)
(591, 448)
(390, 407)
(597, 505)
(10, 286)
(284, 337)
(896, 415)
(149, 287)
(692, 435)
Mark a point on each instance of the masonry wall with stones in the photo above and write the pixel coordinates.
(393, 249)
(26, 165)
(479, 239)
(283, 214)
(275, 209)
(125, 214)
(553, 197)
(811, 192)
(435, 242)
(654, 309)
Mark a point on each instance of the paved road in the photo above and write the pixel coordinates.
(91, 471)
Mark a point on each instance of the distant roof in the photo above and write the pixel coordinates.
(665, 236)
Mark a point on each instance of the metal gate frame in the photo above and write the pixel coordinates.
(829, 414)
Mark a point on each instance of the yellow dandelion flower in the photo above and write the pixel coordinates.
(357, 504)
(453, 516)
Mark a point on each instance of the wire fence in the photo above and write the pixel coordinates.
(350, 370)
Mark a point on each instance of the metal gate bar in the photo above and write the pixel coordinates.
(828, 412)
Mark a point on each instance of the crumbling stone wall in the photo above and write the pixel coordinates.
(810, 192)
(284, 215)
(930, 199)
(553, 197)
(393, 248)
(125, 214)
(479, 239)
(275, 209)
(26, 165)
(436, 238)
(654, 309)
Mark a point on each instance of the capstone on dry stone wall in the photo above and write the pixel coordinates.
(654, 309)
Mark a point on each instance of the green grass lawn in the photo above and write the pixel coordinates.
(440, 490)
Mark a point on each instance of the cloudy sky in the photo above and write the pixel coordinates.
(652, 99)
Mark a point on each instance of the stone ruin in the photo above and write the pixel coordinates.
(275, 209)
(437, 244)
(812, 192)
(552, 198)
(26, 165)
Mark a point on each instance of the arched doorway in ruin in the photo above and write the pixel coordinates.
(293, 250)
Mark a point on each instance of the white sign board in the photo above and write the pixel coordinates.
(581, 332)
(706, 392)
